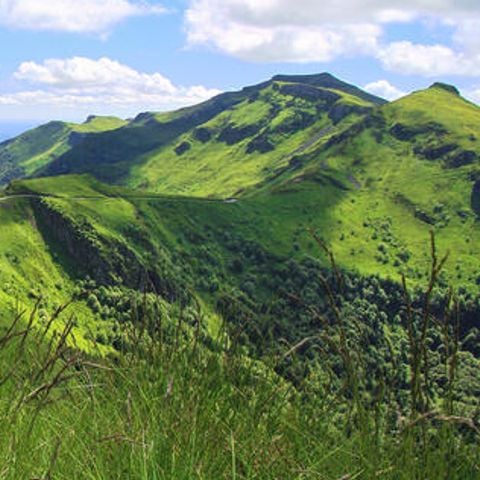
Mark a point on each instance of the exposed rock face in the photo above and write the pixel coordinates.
(326, 80)
(450, 154)
(462, 158)
(105, 260)
(338, 112)
(475, 198)
(202, 134)
(299, 121)
(447, 87)
(310, 93)
(84, 247)
(261, 144)
(374, 121)
(408, 132)
(424, 216)
(184, 147)
(433, 153)
(232, 135)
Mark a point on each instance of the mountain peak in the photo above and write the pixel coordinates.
(327, 80)
(90, 119)
(315, 78)
(447, 87)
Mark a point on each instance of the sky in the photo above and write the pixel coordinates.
(66, 59)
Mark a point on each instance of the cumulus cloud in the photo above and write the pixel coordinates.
(85, 16)
(81, 81)
(85, 73)
(428, 60)
(313, 31)
(277, 30)
(384, 89)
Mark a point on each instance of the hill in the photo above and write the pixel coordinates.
(26, 154)
(226, 144)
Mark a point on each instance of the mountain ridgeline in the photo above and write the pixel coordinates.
(255, 129)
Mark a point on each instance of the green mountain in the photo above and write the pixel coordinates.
(28, 153)
(228, 143)
(372, 180)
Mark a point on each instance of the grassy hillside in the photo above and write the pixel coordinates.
(217, 148)
(178, 407)
(248, 143)
(222, 357)
(230, 347)
(26, 154)
(410, 167)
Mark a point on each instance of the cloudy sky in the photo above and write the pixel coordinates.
(65, 59)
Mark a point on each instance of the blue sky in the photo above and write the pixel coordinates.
(65, 59)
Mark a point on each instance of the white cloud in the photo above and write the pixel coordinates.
(270, 31)
(104, 83)
(384, 89)
(314, 31)
(428, 60)
(77, 16)
(85, 73)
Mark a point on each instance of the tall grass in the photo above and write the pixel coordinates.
(169, 407)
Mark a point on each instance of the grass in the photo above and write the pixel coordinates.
(143, 150)
(177, 409)
(217, 169)
(30, 152)
(373, 191)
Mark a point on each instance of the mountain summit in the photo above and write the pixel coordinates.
(228, 143)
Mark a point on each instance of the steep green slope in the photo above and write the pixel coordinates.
(32, 273)
(221, 146)
(409, 167)
(27, 153)
(250, 266)
(373, 190)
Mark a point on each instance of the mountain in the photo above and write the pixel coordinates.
(409, 167)
(228, 143)
(373, 178)
(26, 154)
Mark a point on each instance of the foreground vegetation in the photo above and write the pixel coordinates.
(172, 402)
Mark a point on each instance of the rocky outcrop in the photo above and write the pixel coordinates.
(339, 111)
(434, 153)
(84, 252)
(184, 147)
(406, 133)
(261, 144)
(475, 198)
(461, 158)
(445, 86)
(309, 93)
(232, 134)
(294, 123)
(202, 134)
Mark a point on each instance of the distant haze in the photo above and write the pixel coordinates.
(12, 129)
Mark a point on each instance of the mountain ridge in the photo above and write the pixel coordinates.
(259, 123)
